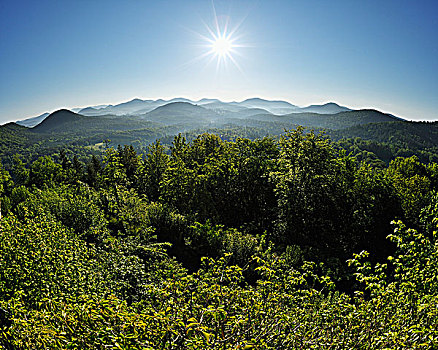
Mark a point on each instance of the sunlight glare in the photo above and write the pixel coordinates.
(222, 43)
(222, 46)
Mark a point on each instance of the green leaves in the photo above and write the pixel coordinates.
(90, 265)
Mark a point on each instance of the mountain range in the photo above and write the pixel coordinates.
(215, 107)
(141, 122)
(185, 116)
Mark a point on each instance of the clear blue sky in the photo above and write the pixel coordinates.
(380, 54)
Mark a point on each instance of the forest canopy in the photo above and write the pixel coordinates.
(221, 243)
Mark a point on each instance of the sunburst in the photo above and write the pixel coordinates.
(221, 44)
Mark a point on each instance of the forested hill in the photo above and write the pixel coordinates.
(60, 121)
(260, 244)
(411, 135)
(339, 120)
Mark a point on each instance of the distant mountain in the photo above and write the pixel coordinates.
(120, 109)
(275, 107)
(207, 100)
(58, 120)
(100, 106)
(258, 102)
(221, 107)
(136, 107)
(89, 111)
(180, 99)
(31, 122)
(177, 107)
(180, 112)
(127, 107)
(133, 107)
(328, 108)
(248, 113)
(92, 110)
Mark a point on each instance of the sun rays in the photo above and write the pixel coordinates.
(221, 43)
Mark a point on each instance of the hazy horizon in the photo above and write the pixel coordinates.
(185, 97)
(360, 55)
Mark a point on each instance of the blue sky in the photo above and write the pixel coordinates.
(379, 54)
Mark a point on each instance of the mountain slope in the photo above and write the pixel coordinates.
(330, 121)
(415, 135)
(58, 120)
(31, 122)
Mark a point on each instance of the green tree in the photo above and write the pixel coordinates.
(45, 172)
(412, 184)
(94, 172)
(19, 171)
(151, 171)
(312, 190)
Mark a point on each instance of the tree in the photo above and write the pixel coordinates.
(5, 183)
(45, 172)
(151, 171)
(5, 180)
(94, 172)
(19, 171)
(412, 183)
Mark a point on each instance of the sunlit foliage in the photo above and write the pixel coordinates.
(219, 244)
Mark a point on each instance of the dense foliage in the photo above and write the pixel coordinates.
(221, 243)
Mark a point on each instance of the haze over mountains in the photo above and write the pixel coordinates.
(31, 122)
(213, 107)
(142, 122)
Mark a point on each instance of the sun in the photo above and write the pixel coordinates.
(222, 43)
(222, 46)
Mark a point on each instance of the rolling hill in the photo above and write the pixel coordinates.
(57, 121)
